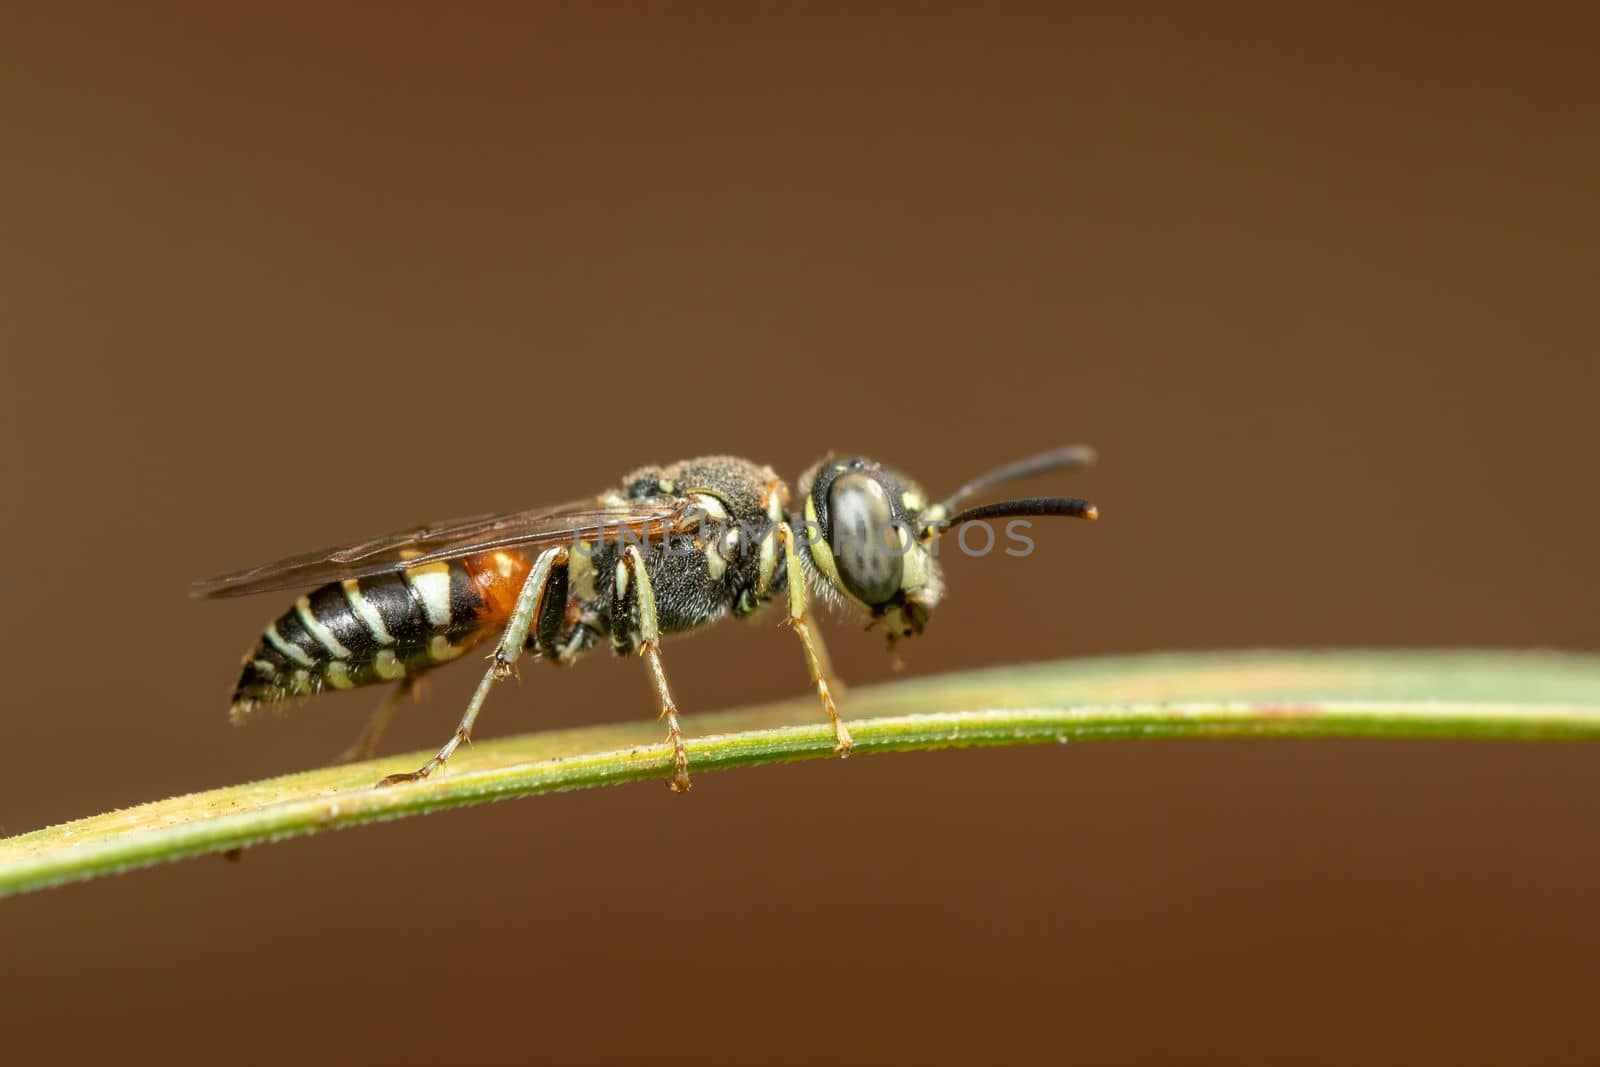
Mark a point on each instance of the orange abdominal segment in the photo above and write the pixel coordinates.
(499, 576)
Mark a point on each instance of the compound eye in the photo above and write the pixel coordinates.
(866, 546)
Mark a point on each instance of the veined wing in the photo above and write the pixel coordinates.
(537, 528)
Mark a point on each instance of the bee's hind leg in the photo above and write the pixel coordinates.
(366, 742)
(530, 601)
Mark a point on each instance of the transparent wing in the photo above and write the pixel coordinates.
(537, 528)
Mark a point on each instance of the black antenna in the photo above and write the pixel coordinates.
(1054, 460)
(1069, 506)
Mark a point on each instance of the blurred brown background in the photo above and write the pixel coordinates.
(1320, 286)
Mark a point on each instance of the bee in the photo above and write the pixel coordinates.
(667, 551)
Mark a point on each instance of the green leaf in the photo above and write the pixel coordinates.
(1465, 695)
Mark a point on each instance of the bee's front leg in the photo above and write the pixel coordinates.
(816, 653)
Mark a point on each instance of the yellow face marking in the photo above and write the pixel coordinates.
(821, 553)
(913, 563)
(913, 499)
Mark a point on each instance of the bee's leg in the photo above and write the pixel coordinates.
(810, 640)
(366, 742)
(529, 600)
(650, 648)
(836, 685)
(572, 644)
(566, 628)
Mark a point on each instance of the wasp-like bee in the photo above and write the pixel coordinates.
(669, 550)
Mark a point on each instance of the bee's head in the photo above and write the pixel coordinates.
(869, 532)
(863, 536)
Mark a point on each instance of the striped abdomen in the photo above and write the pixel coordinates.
(368, 630)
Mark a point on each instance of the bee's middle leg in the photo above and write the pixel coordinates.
(650, 648)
